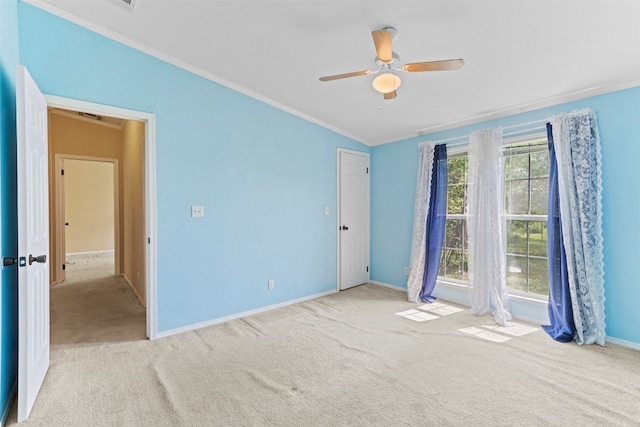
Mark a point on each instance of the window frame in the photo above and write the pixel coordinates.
(463, 150)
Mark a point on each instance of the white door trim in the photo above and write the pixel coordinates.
(60, 213)
(149, 119)
(338, 211)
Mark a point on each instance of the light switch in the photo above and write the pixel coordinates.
(197, 211)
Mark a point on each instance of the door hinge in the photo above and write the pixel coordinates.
(367, 268)
(64, 266)
(367, 170)
(61, 171)
(148, 240)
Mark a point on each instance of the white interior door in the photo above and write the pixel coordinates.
(353, 226)
(33, 241)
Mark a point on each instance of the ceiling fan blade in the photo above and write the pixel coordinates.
(345, 75)
(446, 65)
(382, 40)
(390, 95)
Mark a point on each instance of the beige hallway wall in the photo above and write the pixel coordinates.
(70, 135)
(80, 137)
(134, 224)
(89, 207)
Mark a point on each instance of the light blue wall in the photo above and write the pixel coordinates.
(394, 168)
(8, 202)
(263, 175)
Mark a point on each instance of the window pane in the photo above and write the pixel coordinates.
(540, 164)
(456, 184)
(457, 170)
(539, 196)
(517, 237)
(454, 234)
(517, 166)
(454, 263)
(455, 199)
(538, 238)
(517, 201)
(538, 276)
(517, 272)
(442, 271)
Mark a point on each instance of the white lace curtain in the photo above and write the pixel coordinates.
(486, 226)
(577, 146)
(423, 193)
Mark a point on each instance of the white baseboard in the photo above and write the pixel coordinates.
(386, 285)
(135, 291)
(438, 293)
(623, 343)
(109, 251)
(223, 319)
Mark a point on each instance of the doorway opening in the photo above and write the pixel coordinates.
(88, 205)
(102, 203)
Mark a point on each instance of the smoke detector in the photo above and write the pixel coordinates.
(127, 5)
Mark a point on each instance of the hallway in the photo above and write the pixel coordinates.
(93, 305)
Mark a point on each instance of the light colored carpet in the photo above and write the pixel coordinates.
(84, 267)
(343, 360)
(94, 306)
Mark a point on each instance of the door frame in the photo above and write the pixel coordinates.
(339, 212)
(60, 210)
(151, 252)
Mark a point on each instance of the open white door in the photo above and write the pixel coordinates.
(353, 217)
(33, 241)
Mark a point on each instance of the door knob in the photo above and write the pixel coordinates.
(39, 258)
(344, 227)
(7, 261)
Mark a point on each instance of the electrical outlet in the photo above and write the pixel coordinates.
(197, 211)
(406, 271)
(272, 284)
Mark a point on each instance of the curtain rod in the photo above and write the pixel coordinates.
(542, 122)
(529, 127)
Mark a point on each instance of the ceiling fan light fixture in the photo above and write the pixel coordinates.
(386, 83)
(387, 63)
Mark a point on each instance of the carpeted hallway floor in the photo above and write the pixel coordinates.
(94, 306)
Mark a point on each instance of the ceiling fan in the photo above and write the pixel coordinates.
(387, 65)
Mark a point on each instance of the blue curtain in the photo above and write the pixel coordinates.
(562, 327)
(436, 219)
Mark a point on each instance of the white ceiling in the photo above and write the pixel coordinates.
(518, 54)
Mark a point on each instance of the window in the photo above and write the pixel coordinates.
(453, 264)
(526, 193)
